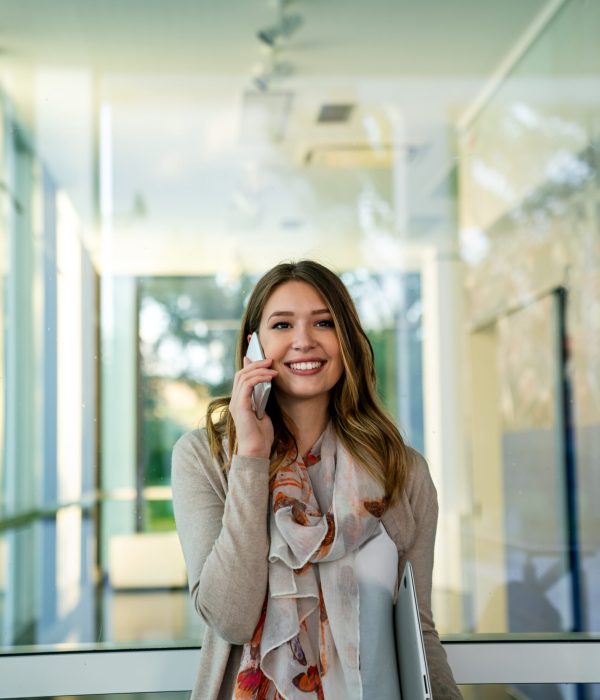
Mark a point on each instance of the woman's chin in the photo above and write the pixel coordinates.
(291, 394)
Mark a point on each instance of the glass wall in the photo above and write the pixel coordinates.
(154, 162)
(529, 232)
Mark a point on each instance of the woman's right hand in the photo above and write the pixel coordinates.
(254, 436)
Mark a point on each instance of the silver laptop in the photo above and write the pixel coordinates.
(410, 649)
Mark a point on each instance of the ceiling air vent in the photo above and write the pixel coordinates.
(334, 113)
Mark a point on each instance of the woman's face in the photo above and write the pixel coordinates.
(297, 331)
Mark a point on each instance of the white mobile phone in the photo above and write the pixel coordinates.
(260, 393)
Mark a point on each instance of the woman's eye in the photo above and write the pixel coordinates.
(281, 324)
(325, 323)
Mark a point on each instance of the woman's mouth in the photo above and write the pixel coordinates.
(306, 367)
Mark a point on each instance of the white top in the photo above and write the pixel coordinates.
(376, 567)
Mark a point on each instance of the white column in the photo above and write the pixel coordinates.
(443, 355)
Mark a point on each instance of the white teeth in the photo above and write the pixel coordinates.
(305, 365)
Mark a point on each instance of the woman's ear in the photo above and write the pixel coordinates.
(248, 337)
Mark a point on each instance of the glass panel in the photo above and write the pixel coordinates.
(535, 524)
(188, 331)
(529, 224)
(150, 172)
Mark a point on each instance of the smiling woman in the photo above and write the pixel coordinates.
(302, 342)
(155, 161)
(278, 517)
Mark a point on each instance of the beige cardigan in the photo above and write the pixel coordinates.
(222, 525)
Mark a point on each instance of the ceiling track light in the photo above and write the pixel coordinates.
(273, 37)
(285, 28)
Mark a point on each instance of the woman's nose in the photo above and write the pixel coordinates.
(303, 338)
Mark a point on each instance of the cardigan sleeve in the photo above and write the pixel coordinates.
(424, 506)
(223, 536)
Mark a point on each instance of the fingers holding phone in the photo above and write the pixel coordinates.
(261, 391)
(249, 396)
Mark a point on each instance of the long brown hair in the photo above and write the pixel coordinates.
(358, 418)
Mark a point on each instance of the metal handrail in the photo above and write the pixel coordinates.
(86, 503)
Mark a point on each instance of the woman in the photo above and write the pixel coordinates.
(294, 527)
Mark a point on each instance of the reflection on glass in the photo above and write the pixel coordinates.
(137, 615)
(539, 591)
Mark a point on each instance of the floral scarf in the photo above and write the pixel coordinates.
(306, 643)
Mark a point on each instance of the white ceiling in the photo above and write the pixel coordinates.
(423, 38)
(193, 154)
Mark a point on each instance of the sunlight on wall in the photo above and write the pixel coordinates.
(68, 559)
(69, 355)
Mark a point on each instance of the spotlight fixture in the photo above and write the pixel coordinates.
(288, 24)
(261, 82)
(272, 68)
(270, 71)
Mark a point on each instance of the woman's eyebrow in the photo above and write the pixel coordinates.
(280, 313)
(316, 312)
